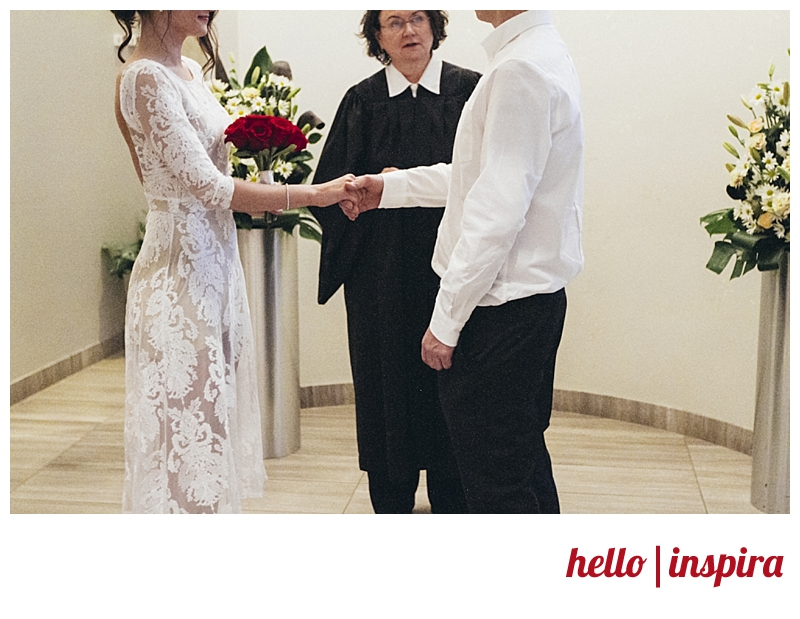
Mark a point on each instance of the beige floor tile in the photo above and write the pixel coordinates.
(312, 467)
(422, 504)
(723, 492)
(737, 505)
(679, 485)
(661, 453)
(55, 411)
(599, 426)
(88, 485)
(89, 455)
(20, 474)
(38, 506)
(318, 443)
(30, 452)
(301, 497)
(710, 458)
(359, 503)
(34, 429)
(573, 503)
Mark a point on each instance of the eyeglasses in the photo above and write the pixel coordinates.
(396, 24)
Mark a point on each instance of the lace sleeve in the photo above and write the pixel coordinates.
(152, 105)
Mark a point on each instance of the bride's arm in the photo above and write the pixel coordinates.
(256, 198)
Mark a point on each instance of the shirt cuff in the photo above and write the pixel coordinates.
(395, 189)
(445, 329)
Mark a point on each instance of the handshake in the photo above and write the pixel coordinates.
(362, 193)
(354, 194)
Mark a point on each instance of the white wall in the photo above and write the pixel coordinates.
(646, 320)
(72, 186)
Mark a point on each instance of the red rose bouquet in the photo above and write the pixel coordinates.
(264, 136)
(265, 139)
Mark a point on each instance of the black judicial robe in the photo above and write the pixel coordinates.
(383, 259)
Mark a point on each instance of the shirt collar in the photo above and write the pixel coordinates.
(430, 79)
(512, 28)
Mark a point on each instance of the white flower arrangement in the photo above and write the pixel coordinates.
(267, 93)
(756, 229)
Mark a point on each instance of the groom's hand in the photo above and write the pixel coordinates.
(435, 354)
(365, 195)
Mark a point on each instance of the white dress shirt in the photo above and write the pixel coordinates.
(430, 79)
(514, 192)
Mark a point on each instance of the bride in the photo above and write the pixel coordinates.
(192, 426)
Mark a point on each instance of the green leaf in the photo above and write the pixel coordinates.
(313, 138)
(719, 222)
(297, 157)
(749, 265)
(744, 240)
(722, 254)
(770, 254)
(309, 232)
(262, 61)
(245, 154)
(784, 173)
(738, 267)
(243, 221)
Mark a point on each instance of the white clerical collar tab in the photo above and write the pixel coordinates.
(430, 80)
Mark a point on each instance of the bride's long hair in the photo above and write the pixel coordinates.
(208, 43)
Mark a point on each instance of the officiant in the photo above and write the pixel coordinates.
(403, 116)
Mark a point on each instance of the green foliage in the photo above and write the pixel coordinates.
(122, 256)
(287, 221)
(261, 65)
(761, 251)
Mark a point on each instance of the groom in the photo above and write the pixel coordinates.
(508, 244)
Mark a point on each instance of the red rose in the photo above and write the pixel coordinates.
(255, 133)
(284, 133)
(251, 133)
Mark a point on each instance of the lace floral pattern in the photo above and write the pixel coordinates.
(192, 426)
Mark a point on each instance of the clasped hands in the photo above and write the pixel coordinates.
(364, 194)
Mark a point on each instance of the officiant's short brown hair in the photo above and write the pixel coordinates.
(371, 26)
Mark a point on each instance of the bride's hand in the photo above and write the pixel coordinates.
(335, 191)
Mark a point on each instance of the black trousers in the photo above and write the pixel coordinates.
(389, 496)
(497, 399)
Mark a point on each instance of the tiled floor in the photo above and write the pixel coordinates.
(67, 457)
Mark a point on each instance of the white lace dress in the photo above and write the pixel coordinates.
(192, 424)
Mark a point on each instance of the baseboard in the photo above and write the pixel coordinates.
(327, 395)
(41, 379)
(661, 417)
